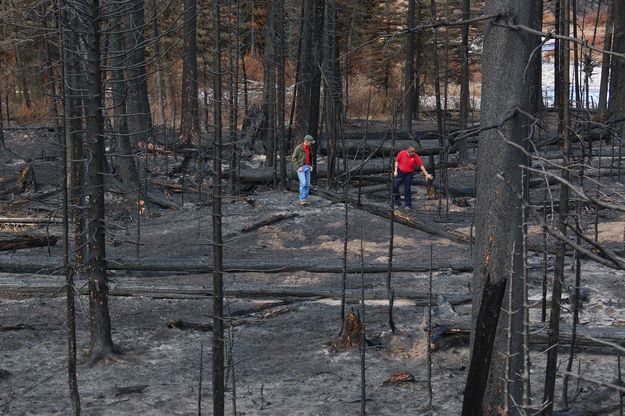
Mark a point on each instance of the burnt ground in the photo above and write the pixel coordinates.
(284, 360)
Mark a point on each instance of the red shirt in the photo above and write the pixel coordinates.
(406, 162)
(307, 151)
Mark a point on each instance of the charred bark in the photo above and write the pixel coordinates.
(409, 69)
(127, 170)
(139, 115)
(498, 242)
(218, 347)
(101, 339)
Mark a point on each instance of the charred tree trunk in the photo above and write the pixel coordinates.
(558, 278)
(5, 67)
(463, 154)
(189, 114)
(234, 100)
(74, 396)
(101, 339)
(218, 347)
(189, 107)
(318, 57)
(53, 95)
(269, 93)
(281, 91)
(75, 134)
(2, 144)
(418, 63)
(21, 71)
(498, 242)
(437, 81)
(332, 89)
(607, 58)
(138, 104)
(536, 93)
(409, 69)
(616, 101)
(557, 73)
(306, 68)
(157, 58)
(127, 169)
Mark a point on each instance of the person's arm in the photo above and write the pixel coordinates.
(422, 167)
(425, 172)
(396, 170)
(295, 157)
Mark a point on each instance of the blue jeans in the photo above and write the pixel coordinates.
(406, 179)
(304, 182)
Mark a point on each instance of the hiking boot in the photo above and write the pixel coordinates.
(303, 202)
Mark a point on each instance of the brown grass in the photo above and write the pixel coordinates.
(38, 113)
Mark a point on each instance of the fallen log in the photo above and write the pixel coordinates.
(26, 128)
(594, 338)
(185, 325)
(452, 190)
(131, 196)
(27, 241)
(47, 265)
(51, 220)
(268, 221)
(371, 189)
(265, 174)
(376, 148)
(18, 327)
(421, 136)
(123, 390)
(258, 312)
(373, 166)
(419, 298)
(163, 202)
(401, 218)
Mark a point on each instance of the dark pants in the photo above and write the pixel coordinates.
(406, 179)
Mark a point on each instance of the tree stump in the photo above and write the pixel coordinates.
(26, 178)
(351, 336)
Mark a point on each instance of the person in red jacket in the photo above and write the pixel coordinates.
(405, 164)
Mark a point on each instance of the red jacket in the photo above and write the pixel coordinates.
(407, 163)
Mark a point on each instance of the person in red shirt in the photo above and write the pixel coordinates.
(405, 163)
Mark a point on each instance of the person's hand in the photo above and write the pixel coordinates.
(395, 173)
(311, 168)
(301, 169)
(429, 177)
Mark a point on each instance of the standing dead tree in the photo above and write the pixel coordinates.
(606, 58)
(409, 70)
(333, 102)
(127, 168)
(504, 90)
(269, 90)
(558, 278)
(281, 54)
(102, 347)
(218, 346)
(69, 273)
(309, 65)
(189, 111)
(138, 104)
(464, 80)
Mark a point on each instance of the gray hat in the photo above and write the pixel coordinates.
(308, 138)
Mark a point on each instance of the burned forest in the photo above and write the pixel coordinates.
(312, 207)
